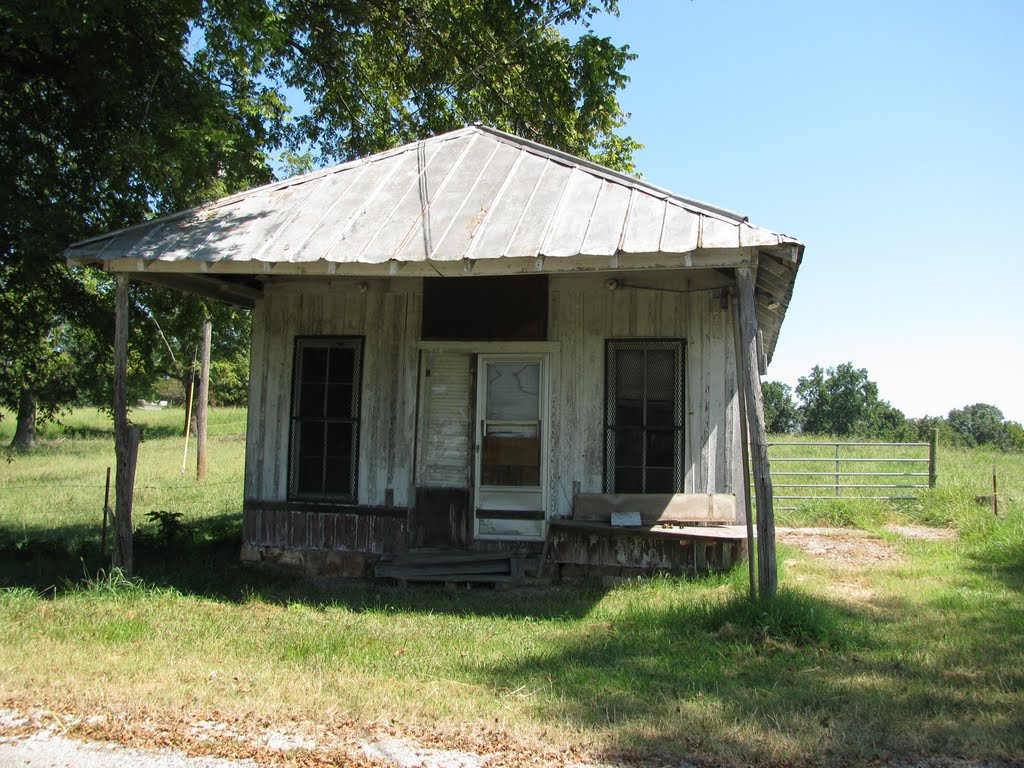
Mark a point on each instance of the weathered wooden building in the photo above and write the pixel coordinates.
(454, 340)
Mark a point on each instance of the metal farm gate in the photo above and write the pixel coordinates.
(806, 471)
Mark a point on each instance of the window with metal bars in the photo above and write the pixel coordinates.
(323, 456)
(644, 415)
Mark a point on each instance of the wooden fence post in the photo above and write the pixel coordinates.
(933, 469)
(204, 400)
(126, 441)
(750, 380)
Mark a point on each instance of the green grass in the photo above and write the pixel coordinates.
(963, 475)
(922, 654)
(55, 493)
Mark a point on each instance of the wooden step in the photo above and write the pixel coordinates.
(458, 567)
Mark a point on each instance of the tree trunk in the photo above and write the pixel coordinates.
(25, 432)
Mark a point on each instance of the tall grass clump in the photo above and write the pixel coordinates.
(790, 616)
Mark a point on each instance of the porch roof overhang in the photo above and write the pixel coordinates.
(475, 201)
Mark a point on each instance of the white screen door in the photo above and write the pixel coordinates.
(511, 446)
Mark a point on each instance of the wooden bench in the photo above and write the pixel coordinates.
(672, 532)
(656, 509)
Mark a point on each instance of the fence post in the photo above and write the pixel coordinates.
(933, 444)
(126, 439)
(203, 406)
(838, 480)
(106, 516)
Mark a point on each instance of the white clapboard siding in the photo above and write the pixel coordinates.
(445, 442)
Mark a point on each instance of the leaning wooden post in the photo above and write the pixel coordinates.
(204, 399)
(745, 452)
(750, 381)
(126, 441)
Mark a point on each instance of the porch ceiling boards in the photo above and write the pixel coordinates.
(473, 201)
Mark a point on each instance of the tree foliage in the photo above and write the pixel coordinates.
(105, 122)
(843, 401)
(118, 110)
(979, 424)
(378, 74)
(780, 412)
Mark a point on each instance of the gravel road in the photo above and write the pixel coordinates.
(46, 750)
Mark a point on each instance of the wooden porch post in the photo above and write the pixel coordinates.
(750, 381)
(126, 441)
(745, 450)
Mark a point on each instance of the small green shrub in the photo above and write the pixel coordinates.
(170, 530)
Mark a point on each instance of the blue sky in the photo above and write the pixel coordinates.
(889, 138)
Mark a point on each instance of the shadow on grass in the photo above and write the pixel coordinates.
(799, 680)
(149, 432)
(701, 675)
(206, 563)
(1001, 557)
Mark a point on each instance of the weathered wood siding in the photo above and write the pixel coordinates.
(445, 427)
(387, 313)
(583, 314)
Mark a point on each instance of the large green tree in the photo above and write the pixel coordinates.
(379, 73)
(978, 424)
(116, 110)
(105, 123)
(844, 401)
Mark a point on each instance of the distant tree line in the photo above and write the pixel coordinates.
(843, 402)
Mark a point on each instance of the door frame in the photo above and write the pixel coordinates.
(479, 491)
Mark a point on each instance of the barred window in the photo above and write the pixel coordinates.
(644, 416)
(325, 418)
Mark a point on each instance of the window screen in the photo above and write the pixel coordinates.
(644, 416)
(325, 418)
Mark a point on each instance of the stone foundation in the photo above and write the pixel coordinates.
(310, 563)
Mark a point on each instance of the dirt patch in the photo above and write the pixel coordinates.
(847, 546)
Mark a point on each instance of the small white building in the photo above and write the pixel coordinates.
(455, 339)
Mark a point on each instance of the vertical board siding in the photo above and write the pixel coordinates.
(404, 462)
(583, 315)
(339, 531)
(387, 313)
(256, 410)
(694, 319)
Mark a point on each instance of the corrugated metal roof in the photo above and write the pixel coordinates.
(475, 193)
(471, 195)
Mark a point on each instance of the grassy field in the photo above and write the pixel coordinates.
(919, 652)
(56, 492)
